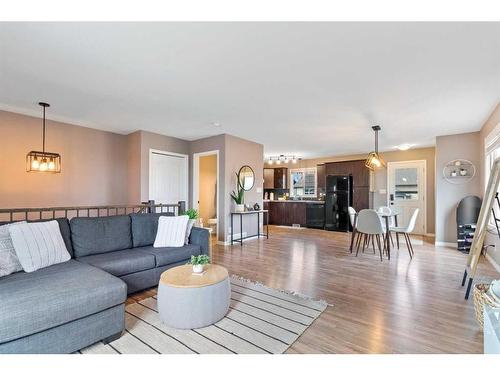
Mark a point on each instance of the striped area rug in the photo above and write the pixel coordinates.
(260, 320)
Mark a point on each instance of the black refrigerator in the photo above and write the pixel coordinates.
(337, 201)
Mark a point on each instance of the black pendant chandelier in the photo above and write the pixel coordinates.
(373, 159)
(42, 161)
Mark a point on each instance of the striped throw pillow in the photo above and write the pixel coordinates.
(38, 245)
(171, 231)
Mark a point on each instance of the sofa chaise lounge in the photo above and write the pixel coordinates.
(70, 305)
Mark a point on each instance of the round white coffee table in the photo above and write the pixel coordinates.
(187, 300)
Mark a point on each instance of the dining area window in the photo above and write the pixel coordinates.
(303, 182)
(491, 153)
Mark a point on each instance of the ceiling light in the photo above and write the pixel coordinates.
(404, 146)
(283, 158)
(42, 161)
(373, 160)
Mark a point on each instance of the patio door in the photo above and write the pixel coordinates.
(406, 188)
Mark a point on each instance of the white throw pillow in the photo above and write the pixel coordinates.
(39, 245)
(9, 263)
(171, 231)
(188, 230)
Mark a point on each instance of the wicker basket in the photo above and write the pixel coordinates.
(482, 297)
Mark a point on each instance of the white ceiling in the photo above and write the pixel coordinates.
(312, 89)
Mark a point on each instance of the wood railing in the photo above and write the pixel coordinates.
(17, 214)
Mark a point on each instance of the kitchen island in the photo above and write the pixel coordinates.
(304, 213)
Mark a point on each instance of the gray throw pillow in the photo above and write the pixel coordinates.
(9, 263)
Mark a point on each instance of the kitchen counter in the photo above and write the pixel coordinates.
(303, 213)
(293, 201)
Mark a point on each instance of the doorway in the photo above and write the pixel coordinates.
(168, 177)
(206, 189)
(406, 190)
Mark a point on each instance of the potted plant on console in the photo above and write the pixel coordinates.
(194, 217)
(238, 196)
(198, 262)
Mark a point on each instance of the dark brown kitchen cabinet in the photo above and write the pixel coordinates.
(321, 177)
(361, 198)
(360, 180)
(276, 213)
(268, 178)
(287, 213)
(356, 168)
(280, 178)
(296, 213)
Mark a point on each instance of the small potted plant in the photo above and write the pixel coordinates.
(238, 197)
(193, 216)
(198, 262)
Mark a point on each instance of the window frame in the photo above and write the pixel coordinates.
(305, 171)
(491, 154)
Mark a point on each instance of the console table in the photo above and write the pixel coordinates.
(265, 215)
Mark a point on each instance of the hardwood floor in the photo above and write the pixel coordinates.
(396, 306)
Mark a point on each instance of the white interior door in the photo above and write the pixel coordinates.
(168, 177)
(406, 191)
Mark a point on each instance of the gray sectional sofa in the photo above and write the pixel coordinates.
(68, 306)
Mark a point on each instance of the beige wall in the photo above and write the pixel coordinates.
(458, 146)
(234, 152)
(491, 237)
(215, 143)
(380, 199)
(207, 187)
(134, 167)
(94, 164)
(240, 152)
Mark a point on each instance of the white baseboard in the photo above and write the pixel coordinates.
(492, 261)
(445, 244)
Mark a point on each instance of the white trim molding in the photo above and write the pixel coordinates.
(445, 244)
(422, 163)
(195, 189)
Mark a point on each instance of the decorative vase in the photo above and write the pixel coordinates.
(463, 172)
(239, 208)
(256, 207)
(454, 174)
(197, 268)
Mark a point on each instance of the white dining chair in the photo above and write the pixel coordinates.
(405, 231)
(370, 228)
(384, 210)
(352, 218)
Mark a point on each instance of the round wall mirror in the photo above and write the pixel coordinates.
(246, 177)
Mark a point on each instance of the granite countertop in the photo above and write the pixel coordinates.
(295, 201)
